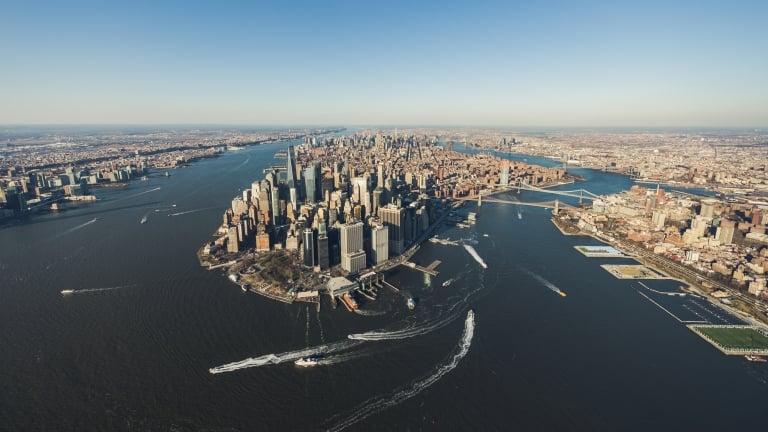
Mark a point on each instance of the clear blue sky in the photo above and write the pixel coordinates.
(507, 63)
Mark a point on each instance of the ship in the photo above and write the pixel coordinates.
(474, 254)
(144, 220)
(67, 292)
(562, 294)
(349, 302)
(448, 282)
(307, 361)
(755, 358)
(411, 303)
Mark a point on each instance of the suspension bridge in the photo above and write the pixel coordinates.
(487, 196)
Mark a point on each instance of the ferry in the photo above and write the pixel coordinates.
(67, 292)
(411, 303)
(755, 358)
(307, 361)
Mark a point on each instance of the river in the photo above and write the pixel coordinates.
(132, 351)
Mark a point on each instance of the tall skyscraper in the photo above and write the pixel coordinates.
(311, 180)
(379, 244)
(290, 168)
(308, 246)
(352, 254)
(394, 218)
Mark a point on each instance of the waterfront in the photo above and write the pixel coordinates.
(137, 357)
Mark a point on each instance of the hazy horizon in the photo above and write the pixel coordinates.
(488, 64)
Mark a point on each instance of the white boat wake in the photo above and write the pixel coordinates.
(190, 211)
(92, 290)
(73, 229)
(241, 164)
(370, 312)
(475, 255)
(546, 283)
(414, 329)
(378, 404)
(141, 193)
(427, 323)
(269, 359)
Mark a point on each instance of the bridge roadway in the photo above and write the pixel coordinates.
(542, 204)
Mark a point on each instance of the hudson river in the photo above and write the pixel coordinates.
(131, 350)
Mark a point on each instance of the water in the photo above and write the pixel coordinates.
(136, 357)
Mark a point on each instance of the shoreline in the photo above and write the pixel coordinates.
(688, 286)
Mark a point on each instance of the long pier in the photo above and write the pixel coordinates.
(430, 269)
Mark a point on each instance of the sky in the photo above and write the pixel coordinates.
(448, 63)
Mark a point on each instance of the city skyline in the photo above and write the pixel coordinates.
(595, 64)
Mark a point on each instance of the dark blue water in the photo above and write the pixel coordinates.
(134, 353)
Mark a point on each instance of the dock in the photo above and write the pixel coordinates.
(430, 269)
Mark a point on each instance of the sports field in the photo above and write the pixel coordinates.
(735, 339)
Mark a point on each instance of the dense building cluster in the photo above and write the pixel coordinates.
(40, 171)
(358, 200)
(718, 238)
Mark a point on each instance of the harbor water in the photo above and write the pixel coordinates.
(131, 349)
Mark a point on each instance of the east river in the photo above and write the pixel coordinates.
(132, 349)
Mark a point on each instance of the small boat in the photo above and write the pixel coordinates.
(411, 303)
(144, 220)
(562, 294)
(67, 292)
(755, 358)
(485, 235)
(307, 361)
(448, 282)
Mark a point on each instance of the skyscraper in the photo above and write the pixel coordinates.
(394, 218)
(290, 168)
(311, 174)
(352, 254)
(379, 244)
(308, 246)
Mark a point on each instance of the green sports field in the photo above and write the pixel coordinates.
(736, 338)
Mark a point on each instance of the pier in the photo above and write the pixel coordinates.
(430, 269)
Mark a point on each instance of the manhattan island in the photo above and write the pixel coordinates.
(339, 212)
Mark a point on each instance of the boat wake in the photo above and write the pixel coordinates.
(92, 290)
(375, 405)
(73, 229)
(190, 211)
(418, 325)
(344, 357)
(242, 164)
(270, 359)
(412, 330)
(546, 283)
(142, 193)
(370, 312)
(475, 255)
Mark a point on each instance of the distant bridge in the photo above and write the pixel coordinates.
(581, 194)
